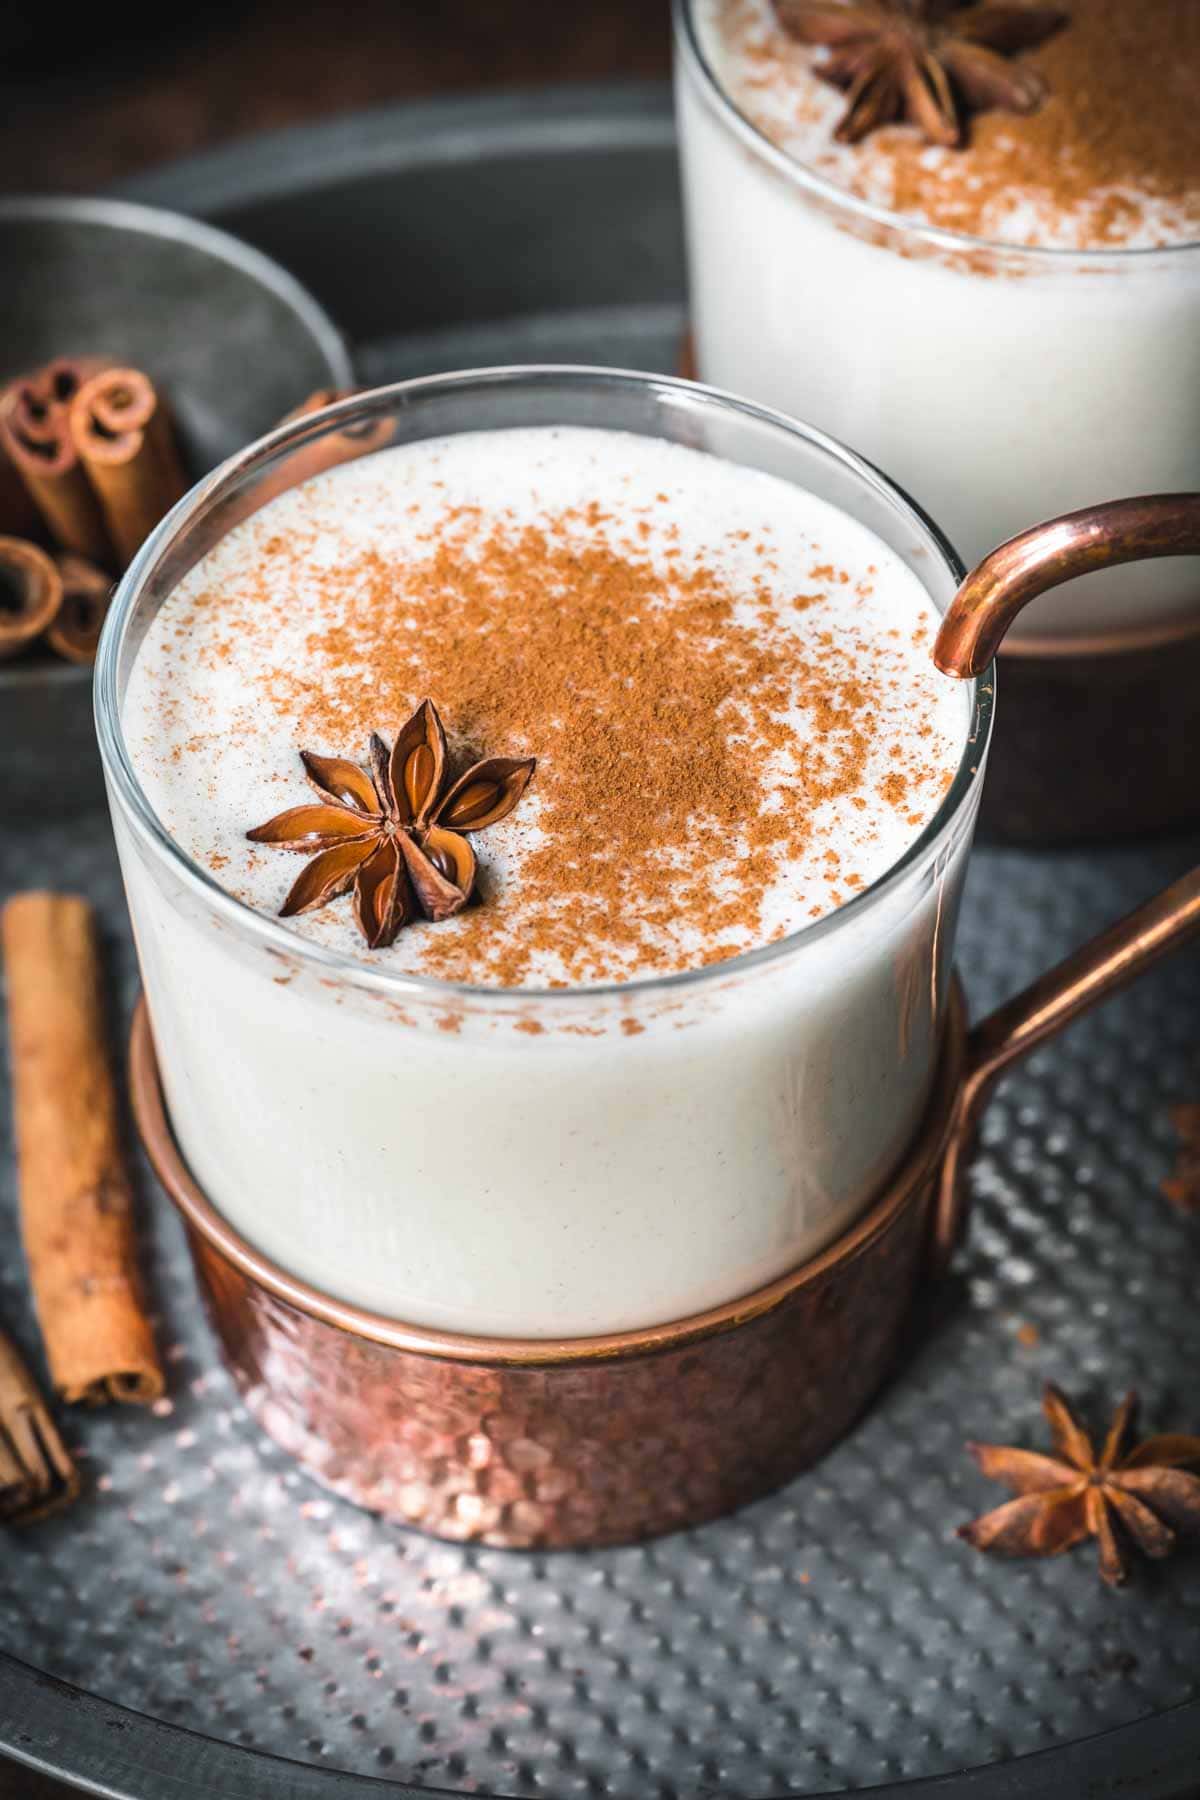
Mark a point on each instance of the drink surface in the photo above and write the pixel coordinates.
(726, 682)
(1110, 160)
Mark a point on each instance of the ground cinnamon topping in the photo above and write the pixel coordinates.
(654, 720)
(701, 749)
(1111, 156)
(1121, 120)
(652, 742)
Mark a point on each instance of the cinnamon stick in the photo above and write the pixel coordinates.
(31, 594)
(86, 592)
(316, 400)
(36, 436)
(124, 438)
(307, 460)
(360, 439)
(37, 1474)
(19, 517)
(76, 1202)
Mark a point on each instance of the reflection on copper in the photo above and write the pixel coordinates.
(1046, 556)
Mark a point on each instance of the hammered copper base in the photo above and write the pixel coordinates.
(579, 1443)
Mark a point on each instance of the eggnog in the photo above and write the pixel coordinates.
(685, 1027)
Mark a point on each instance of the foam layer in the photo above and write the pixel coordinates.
(725, 680)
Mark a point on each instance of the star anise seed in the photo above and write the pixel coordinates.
(391, 834)
(923, 61)
(1124, 1495)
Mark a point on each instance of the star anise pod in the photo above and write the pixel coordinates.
(924, 61)
(1126, 1495)
(391, 834)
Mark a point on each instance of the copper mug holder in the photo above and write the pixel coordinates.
(606, 1440)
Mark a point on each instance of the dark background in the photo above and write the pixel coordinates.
(88, 95)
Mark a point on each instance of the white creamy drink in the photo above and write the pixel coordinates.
(1010, 327)
(727, 686)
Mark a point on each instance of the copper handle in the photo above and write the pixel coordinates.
(1099, 537)
(1078, 983)
(978, 617)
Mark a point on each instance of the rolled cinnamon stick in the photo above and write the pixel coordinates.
(316, 400)
(361, 439)
(121, 431)
(19, 517)
(31, 594)
(37, 1473)
(76, 1202)
(310, 459)
(36, 435)
(86, 592)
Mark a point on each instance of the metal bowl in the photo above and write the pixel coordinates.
(232, 338)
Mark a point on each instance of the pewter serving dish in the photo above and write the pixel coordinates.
(206, 1622)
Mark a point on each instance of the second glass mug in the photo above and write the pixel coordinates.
(995, 382)
(501, 1224)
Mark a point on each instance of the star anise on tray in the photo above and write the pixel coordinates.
(1127, 1495)
(391, 833)
(927, 62)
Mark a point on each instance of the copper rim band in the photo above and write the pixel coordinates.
(1097, 537)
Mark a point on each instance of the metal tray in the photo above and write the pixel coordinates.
(834, 1636)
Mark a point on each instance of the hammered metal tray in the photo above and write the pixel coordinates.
(206, 1611)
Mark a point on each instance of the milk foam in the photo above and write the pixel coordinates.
(214, 717)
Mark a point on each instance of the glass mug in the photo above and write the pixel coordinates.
(673, 1222)
(798, 1074)
(997, 383)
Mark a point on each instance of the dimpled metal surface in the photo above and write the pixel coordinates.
(582, 1455)
(834, 1634)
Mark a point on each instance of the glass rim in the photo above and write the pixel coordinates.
(273, 933)
(943, 236)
